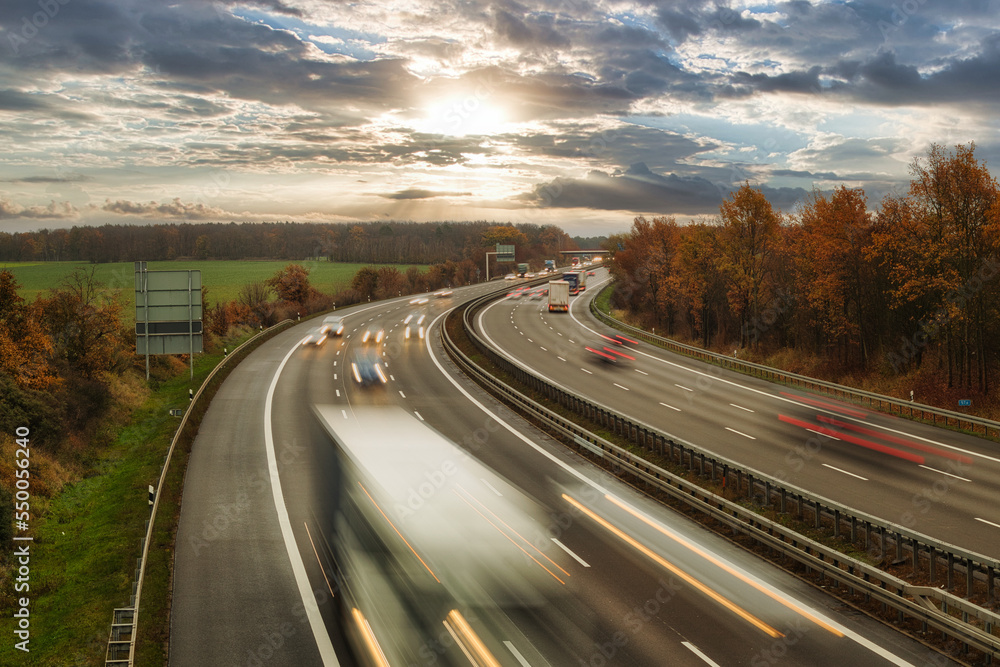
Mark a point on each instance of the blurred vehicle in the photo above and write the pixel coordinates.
(510, 276)
(408, 332)
(431, 543)
(333, 325)
(441, 294)
(611, 349)
(529, 275)
(591, 273)
(366, 369)
(373, 336)
(315, 336)
(550, 266)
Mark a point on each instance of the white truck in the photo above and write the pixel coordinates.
(558, 296)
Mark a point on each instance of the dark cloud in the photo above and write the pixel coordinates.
(75, 178)
(640, 190)
(418, 193)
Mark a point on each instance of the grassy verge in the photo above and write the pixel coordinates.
(85, 549)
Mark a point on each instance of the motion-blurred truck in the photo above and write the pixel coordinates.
(521, 270)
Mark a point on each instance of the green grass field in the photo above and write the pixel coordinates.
(223, 279)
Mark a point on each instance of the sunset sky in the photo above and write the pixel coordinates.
(575, 112)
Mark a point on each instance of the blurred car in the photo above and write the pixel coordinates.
(333, 325)
(591, 273)
(366, 369)
(510, 276)
(529, 275)
(413, 331)
(315, 336)
(373, 336)
(441, 294)
(611, 349)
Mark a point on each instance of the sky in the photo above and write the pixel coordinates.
(578, 113)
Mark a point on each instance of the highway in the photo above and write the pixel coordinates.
(629, 582)
(935, 481)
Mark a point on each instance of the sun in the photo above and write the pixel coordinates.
(460, 116)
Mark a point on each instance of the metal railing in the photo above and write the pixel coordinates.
(121, 642)
(932, 607)
(898, 406)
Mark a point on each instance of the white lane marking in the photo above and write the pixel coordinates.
(718, 378)
(964, 479)
(521, 332)
(643, 372)
(530, 341)
(741, 407)
(694, 649)
(572, 341)
(559, 332)
(620, 386)
(683, 387)
(401, 393)
(570, 552)
(491, 487)
(871, 646)
(516, 654)
(989, 522)
(338, 393)
(316, 622)
(670, 406)
(334, 376)
(392, 377)
(560, 359)
(825, 435)
(586, 371)
(845, 472)
(418, 415)
(543, 349)
(740, 433)
(344, 412)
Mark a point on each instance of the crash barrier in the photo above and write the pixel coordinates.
(121, 642)
(937, 416)
(973, 625)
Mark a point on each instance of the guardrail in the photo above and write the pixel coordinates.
(928, 413)
(931, 607)
(121, 642)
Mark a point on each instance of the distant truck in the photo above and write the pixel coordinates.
(550, 265)
(577, 281)
(558, 296)
(521, 270)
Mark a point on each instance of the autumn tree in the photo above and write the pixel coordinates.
(700, 284)
(365, 282)
(748, 245)
(83, 319)
(291, 284)
(25, 350)
(833, 273)
(255, 298)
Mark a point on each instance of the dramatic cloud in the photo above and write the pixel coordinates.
(280, 107)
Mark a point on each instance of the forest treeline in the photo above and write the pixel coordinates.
(894, 289)
(365, 243)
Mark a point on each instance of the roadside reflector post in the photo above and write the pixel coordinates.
(190, 394)
(152, 495)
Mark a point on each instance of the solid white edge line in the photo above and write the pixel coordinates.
(516, 654)
(694, 649)
(844, 471)
(316, 624)
(490, 486)
(964, 479)
(871, 646)
(997, 525)
(570, 552)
